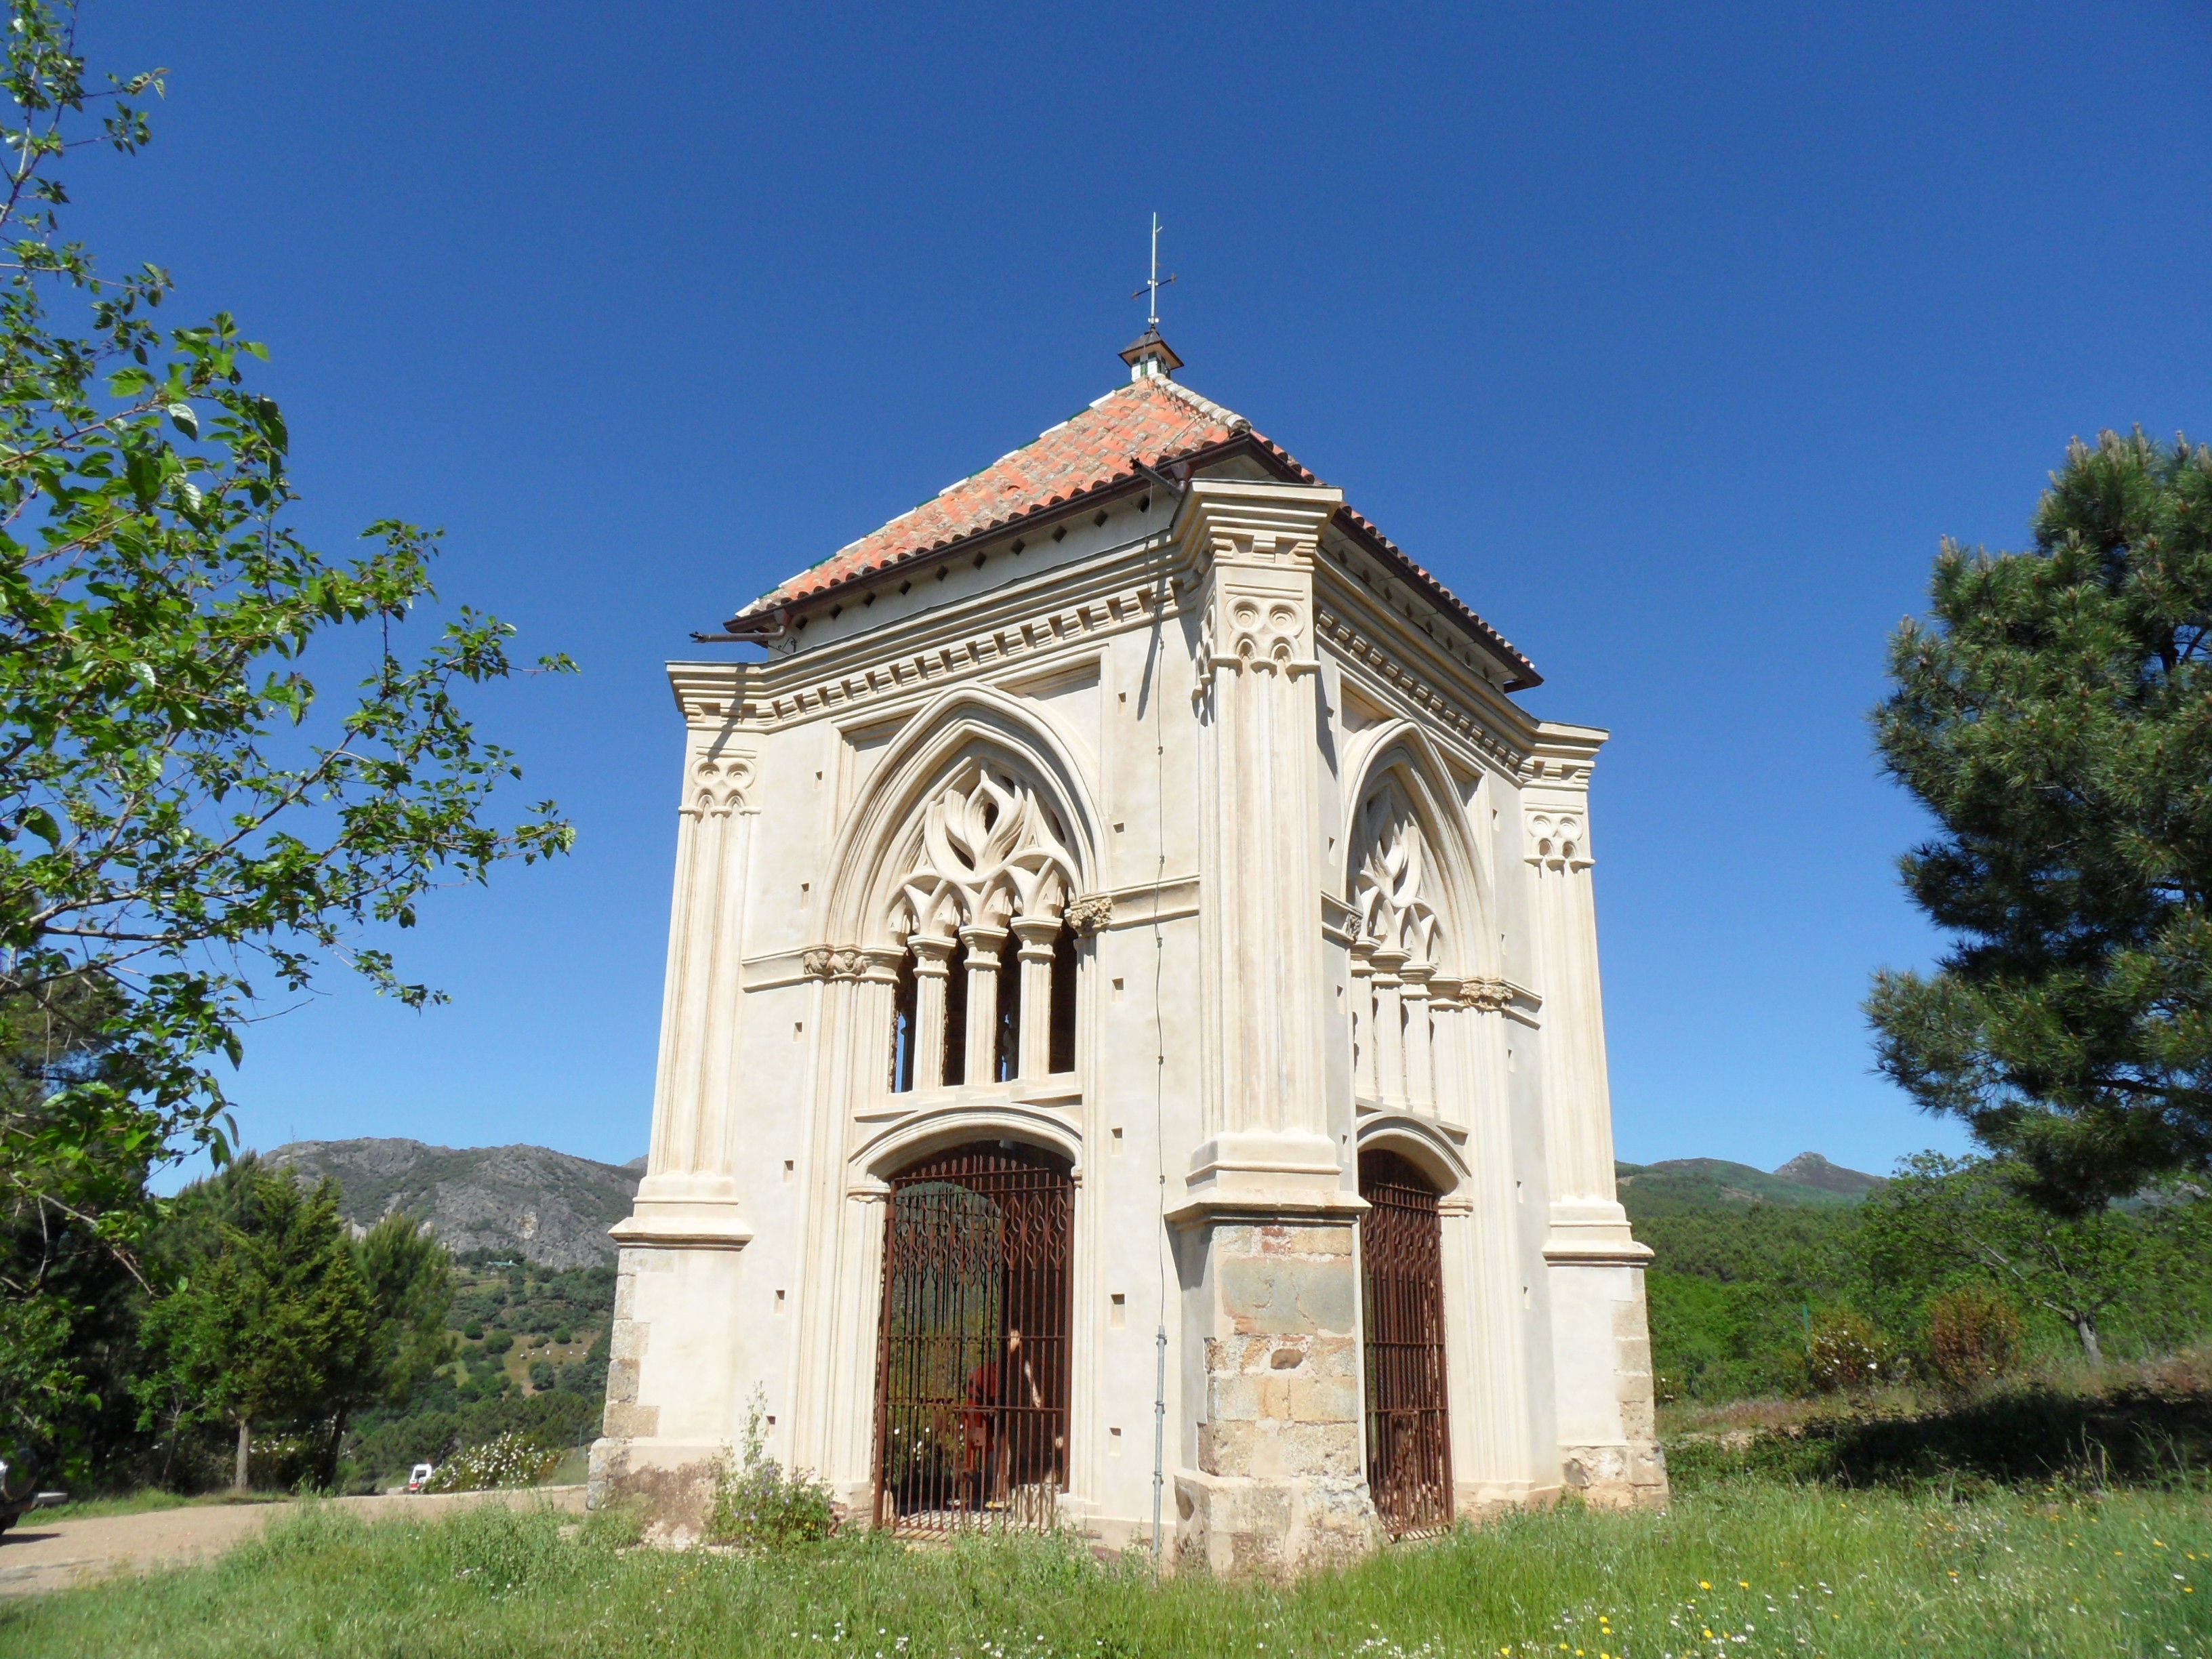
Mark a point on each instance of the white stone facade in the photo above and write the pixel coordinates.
(1240, 800)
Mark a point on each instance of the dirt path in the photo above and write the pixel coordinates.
(58, 1553)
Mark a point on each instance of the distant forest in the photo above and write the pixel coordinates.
(1749, 1270)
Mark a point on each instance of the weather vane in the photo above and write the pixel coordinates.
(1157, 282)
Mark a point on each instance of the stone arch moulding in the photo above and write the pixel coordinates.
(967, 722)
(1422, 1145)
(1407, 757)
(925, 1133)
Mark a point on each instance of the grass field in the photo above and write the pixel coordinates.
(1738, 1567)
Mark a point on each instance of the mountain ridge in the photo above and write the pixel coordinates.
(551, 1208)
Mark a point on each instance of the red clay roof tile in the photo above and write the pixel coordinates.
(1155, 422)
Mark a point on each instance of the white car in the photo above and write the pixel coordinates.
(418, 1478)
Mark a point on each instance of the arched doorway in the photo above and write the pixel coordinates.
(971, 1381)
(1402, 1265)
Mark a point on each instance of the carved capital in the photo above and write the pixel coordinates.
(719, 784)
(1485, 996)
(1089, 915)
(834, 962)
(1557, 839)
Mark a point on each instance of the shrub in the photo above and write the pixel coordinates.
(541, 1374)
(564, 1334)
(759, 1506)
(1973, 1334)
(514, 1459)
(473, 1330)
(1843, 1351)
(499, 1342)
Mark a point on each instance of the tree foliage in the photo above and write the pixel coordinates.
(2055, 717)
(187, 828)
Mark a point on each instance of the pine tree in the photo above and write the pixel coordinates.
(2056, 718)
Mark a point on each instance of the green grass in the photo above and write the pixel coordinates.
(1765, 1567)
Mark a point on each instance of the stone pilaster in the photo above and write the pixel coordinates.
(1601, 1345)
(689, 1195)
(1272, 1480)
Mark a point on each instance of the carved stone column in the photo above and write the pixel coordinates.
(983, 945)
(1390, 1027)
(1271, 1477)
(1365, 1076)
(932, 966)
(1033, 1047)
(1420, 1060)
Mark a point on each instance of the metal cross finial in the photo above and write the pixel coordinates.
(1157, 282)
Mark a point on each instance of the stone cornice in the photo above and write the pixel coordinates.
(1359, 648)
(1004, 626)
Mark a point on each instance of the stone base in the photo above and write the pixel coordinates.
(1633, 1476)
(671, 1482)
(1272, 1527)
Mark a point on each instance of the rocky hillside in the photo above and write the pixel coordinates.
(1675, 1184)
(543, 1205)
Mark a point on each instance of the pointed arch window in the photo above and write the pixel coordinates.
(1395, 957)
(991, 960)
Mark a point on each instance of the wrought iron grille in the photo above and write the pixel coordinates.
(971, 1386)
(1408, 1435)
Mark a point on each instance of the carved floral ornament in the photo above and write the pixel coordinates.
(1394, 915)
(992, 852)
(721, 784)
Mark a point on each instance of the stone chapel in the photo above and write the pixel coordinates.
(1132, 1044)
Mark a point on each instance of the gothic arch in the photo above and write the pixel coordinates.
(1437, 868)
(969, 733)
(1423, 1146)
(917, 1137)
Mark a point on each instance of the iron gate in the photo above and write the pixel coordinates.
(971, 1384)
(1408, 1435)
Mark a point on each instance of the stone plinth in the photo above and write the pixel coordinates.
(1279, 1487)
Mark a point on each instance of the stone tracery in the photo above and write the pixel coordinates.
(987, 979)
(1395, 956)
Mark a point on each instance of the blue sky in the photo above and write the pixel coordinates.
(1672, 343)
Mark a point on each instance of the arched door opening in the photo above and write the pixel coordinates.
(972, 1369)
(1402, 1265)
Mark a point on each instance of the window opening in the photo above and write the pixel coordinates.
(1007, 1050)
(902, 1015)
(1064, 957)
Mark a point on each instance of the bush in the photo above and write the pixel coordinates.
(564, 1334)
(541, 1374)
(1973, 1336)
(514, 1459)
(499, 1342)
(1843, 1352)
(759, 1506)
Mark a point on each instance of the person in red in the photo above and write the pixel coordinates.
(979, 1423)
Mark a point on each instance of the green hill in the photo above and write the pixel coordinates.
(1677, 1186)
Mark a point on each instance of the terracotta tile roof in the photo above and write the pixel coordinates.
(1153, 421)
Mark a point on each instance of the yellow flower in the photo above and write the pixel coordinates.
(1744, 1584)
(1702, 1584)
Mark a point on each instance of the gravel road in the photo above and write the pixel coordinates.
(37, 1556)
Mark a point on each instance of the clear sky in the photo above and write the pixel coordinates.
(1672, 344)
